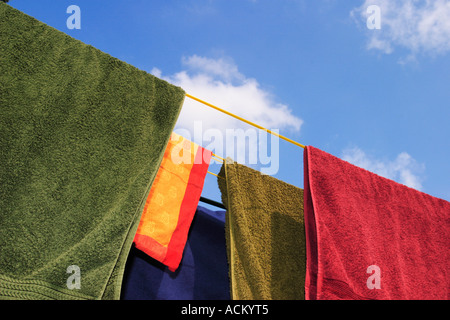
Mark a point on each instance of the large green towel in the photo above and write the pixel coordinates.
(82, 135)
(265, 235)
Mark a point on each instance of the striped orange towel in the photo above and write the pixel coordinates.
(172, 201)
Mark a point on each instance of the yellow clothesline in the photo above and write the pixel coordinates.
(244, 120)
(214, 174)
(219, 158)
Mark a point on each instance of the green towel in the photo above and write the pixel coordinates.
(265, 235)
(82, 135)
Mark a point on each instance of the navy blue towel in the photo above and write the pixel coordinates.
(202, 274)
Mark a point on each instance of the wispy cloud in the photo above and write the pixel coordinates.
(421, 26)
(219, 82)
(404, 169)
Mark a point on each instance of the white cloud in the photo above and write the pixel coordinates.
(404, 169)
(222, 68)
(219, 82)
(421, 26)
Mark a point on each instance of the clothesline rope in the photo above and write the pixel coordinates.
(215, 174)
(244, 120)
(219, 158)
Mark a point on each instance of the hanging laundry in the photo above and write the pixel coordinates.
(203, 271)
(82, 135)
(369, 237)
(172, 201)
(265, 235)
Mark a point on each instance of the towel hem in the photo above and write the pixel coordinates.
(35, 290)
(230, 228)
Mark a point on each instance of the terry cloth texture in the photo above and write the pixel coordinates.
(265, 235)
(172, 201)
(369, 237)
(203, 271)
(82, 135)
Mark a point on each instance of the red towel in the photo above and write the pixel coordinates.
(369, 237)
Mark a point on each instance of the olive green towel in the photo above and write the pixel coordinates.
(265, 235)
(82, 135)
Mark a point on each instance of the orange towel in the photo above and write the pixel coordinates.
(172, 201)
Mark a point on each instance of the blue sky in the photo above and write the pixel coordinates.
(379, 98)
